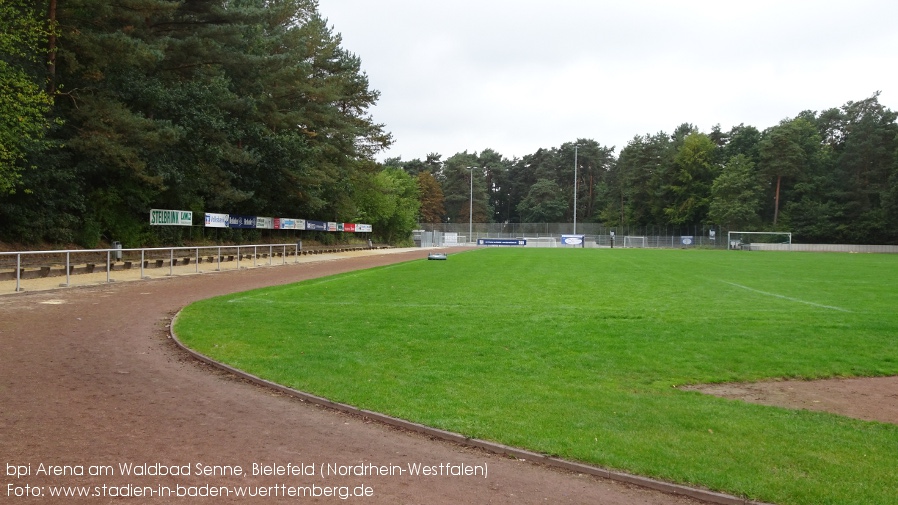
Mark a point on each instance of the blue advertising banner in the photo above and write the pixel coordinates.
(501, 241)
(316, 225)
(235, 221)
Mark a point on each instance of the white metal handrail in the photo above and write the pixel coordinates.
(293, 249)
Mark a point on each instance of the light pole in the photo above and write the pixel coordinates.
(575, 188)
(471, 207)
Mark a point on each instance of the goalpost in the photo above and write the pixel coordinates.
(760, 240)
(634, 241)
(540, 241)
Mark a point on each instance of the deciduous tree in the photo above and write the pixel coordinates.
(24, 100)
(390, 203)
(432, 208)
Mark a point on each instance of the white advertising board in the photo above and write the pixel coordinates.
(216, 220)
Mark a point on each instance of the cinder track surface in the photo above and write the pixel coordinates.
(89, 376)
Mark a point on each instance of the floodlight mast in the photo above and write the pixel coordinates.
(471, 206)
(575, 188)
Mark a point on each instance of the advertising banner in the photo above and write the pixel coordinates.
(160, 217)
(501, 241)
(276, 223)
(287, 223)
(363, 228)
(576, 240)
(216, 220)
(241, 221)
(266, 223)
(687, 240)
(316, 225)
(350, 227)
(331, 226)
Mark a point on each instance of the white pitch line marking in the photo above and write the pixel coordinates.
(830, 307)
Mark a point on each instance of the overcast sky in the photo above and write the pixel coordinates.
(515, 76)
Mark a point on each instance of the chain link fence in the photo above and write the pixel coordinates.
(549, 234)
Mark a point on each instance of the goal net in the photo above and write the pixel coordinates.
(633, 241)
(540, 241)
(760, 240)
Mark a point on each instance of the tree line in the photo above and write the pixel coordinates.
(829, 177)
(109, 108)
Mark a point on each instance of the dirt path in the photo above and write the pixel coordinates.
(872, 399)
(89, 377)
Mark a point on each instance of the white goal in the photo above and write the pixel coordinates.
(760, 240)
(634, 241)
(540, 241)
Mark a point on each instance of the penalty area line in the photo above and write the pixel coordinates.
(783, 297)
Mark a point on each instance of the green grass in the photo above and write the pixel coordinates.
(575, 353)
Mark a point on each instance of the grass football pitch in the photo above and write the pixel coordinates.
(578, 353)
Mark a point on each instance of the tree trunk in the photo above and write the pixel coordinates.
(589, 203)
(51, 50)
(622, 207)
(776, 205)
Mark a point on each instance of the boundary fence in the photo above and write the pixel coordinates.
(558, 229)
(25, 265)
(596, 235)
(435, 238)
(844, 248)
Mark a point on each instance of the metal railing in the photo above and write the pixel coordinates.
(45, 263)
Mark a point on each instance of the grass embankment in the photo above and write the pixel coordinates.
(576, 353)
